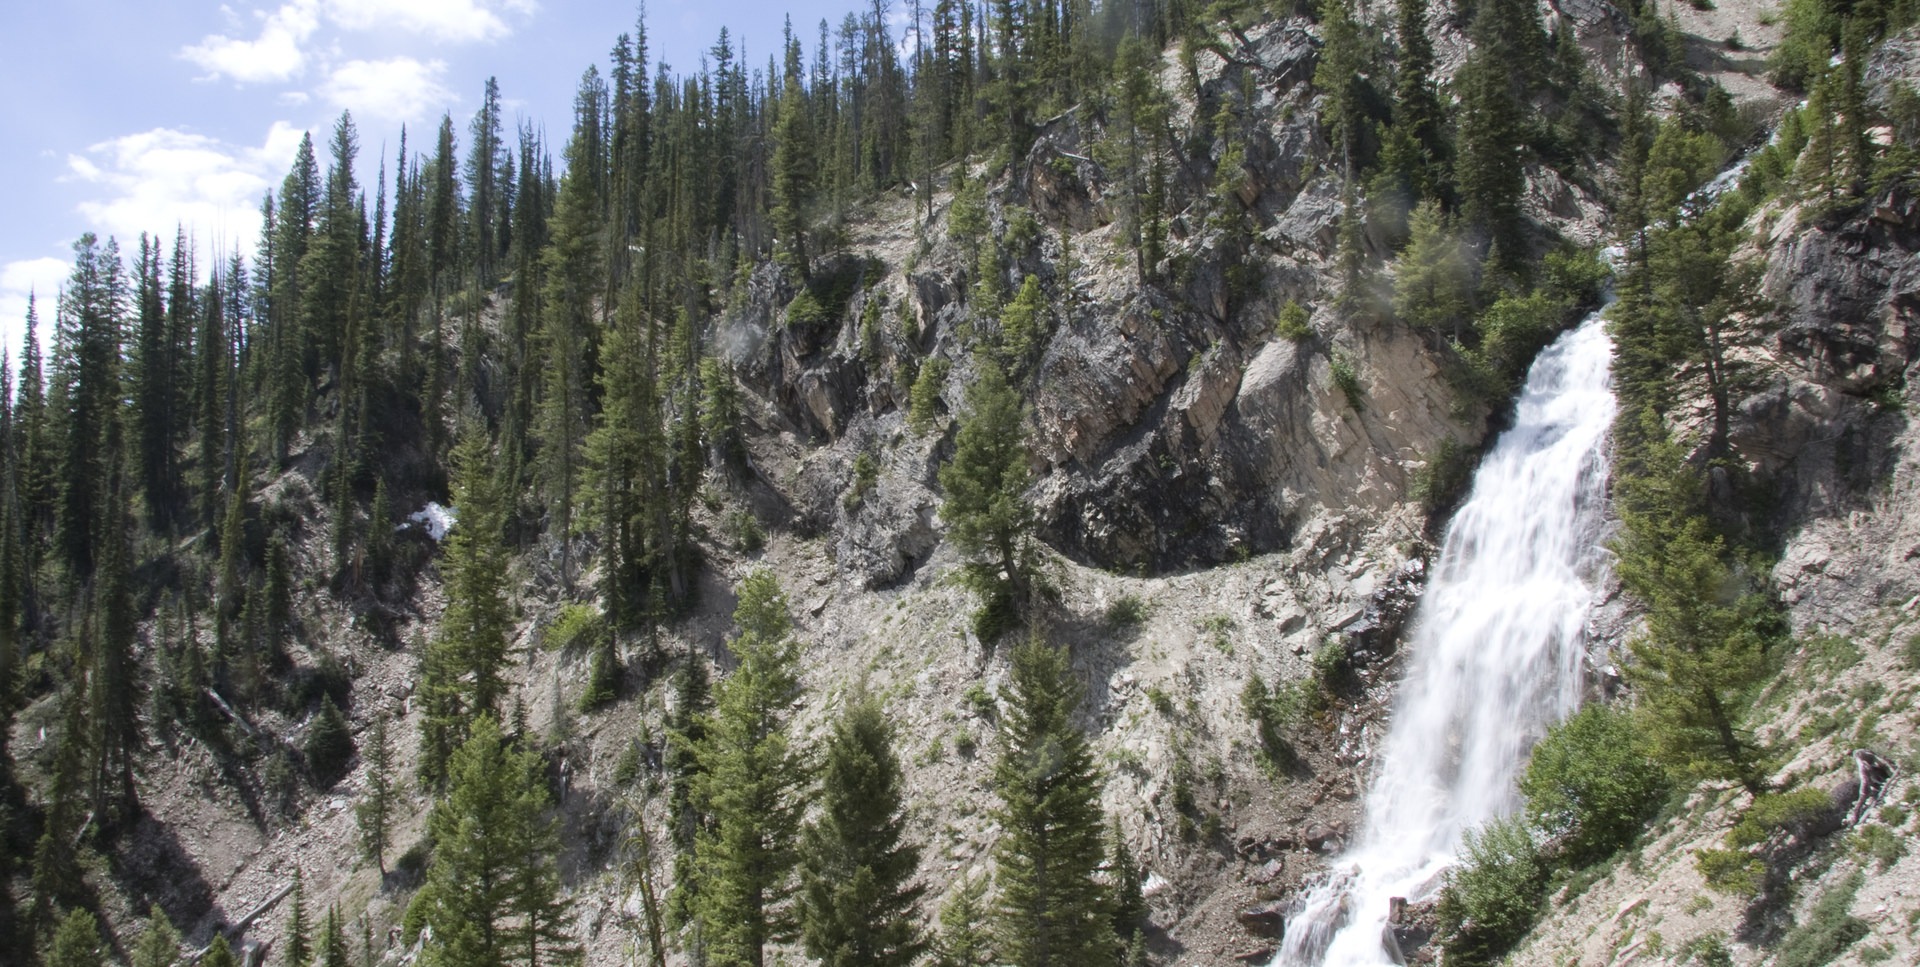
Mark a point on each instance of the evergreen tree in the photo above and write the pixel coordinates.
(1125, 881)
(1493, 86)
(686, 734)
(76, 943)
(88, 382)
(573, 266)
(793, 176)
(964, 939)
(1702, 650)
(1052, 908)
(1431, 281)
(493, 861)
(857, 900)
(986, 508)
(115, 678)
(333, 941)
(1416, 146)
(153, 392)
(299, 935)
(374, 814)
(159, 945)
(462, 671)
(749, 782)
(219, 954)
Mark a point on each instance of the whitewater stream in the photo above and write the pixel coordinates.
(1494, 655)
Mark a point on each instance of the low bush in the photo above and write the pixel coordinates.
(1493, 897)
(1591, 783)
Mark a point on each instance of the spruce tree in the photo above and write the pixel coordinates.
(159, 944)
(793, 176)
(116, 680)
(219, 953)
(1051, 909)
(76, 943)
(1431, 281)
(986, 508)
(298, 944)
(858, 904)
(1702, 650)
(470, 649)
(374, 814)
(965, 940)
(493, 862)
(1125, 880)
(749, 781)
(88, 379)
(333, 941)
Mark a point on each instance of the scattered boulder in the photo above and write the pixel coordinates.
(1265, 919)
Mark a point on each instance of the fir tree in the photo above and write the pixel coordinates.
(374, 814)
(749, 782)
(857, 900)
(492, 891)
(964, 939)
(1702, 650)
(986, 508)
(299, 936)
(159, 944)
(465, 661)
(1431, 280)
(1051, 908)
(76, 943)
(333, 941)
(219, 953)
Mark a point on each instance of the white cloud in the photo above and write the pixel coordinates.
(155, 180)
(277, 54)
(396, 89)
(41, 277)
(447, 21)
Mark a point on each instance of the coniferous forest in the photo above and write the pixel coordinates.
(210, 468)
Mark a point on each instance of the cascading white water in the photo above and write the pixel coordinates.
(1494, 655)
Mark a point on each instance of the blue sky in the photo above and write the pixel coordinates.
(137, 116)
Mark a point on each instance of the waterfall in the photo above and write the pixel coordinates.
(1494, 655)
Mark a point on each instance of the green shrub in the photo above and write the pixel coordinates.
(1793, 811)
(866, 474)
(1444, 477)
(1829, 655)
(1829, 929)
(980, 700)
(806, 310)
(1347, 378)
(1275, 713)
(1708, 950)
(1493, 896)
(1878, 843)
(1292, 323)
(1333, 669)
(1160, 700)
(329, 745)
(744, 530)
(1591, 781)
(1126, 611)
(1730, 871)
(1218, 629)
(575, 626)
(924, 398)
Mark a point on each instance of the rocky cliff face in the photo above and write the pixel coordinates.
(1826, 457)
(1170, 427)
